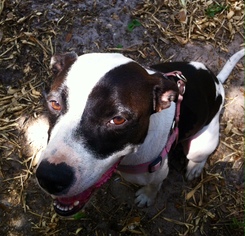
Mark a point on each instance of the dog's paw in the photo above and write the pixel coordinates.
(145, 196)
(194, 169)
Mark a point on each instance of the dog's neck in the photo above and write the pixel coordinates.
(156, 139)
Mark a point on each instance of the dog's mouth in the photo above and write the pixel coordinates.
(67, 206)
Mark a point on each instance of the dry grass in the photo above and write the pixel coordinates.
(186, 21)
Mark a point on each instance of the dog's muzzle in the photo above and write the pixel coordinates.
(56, 179)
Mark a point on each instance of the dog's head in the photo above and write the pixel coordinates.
(99, 107)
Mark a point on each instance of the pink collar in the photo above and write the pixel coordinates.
(156, 164)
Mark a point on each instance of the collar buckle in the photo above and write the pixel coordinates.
(155, 165)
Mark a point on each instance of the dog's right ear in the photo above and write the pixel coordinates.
(165, 92)
(62, 62)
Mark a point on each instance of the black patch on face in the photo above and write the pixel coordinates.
(58, 92)
(113, 97)
(53, 115)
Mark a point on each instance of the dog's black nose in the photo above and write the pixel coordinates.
(55, 178)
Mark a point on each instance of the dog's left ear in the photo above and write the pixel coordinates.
(62, 62)
(164, 93)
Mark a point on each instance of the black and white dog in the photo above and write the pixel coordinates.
(106, 112)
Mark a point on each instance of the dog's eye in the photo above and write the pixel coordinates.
(55, 105)
(118, 120)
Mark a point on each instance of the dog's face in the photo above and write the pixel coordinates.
(99, 107)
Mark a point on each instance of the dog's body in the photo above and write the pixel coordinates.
(106, 108)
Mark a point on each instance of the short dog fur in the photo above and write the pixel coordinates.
(106, 109)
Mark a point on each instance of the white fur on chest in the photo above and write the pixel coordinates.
(156, 139)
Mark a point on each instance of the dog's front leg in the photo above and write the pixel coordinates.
(151, 183)
(146, 195)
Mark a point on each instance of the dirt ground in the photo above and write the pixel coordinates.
(31, 31)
